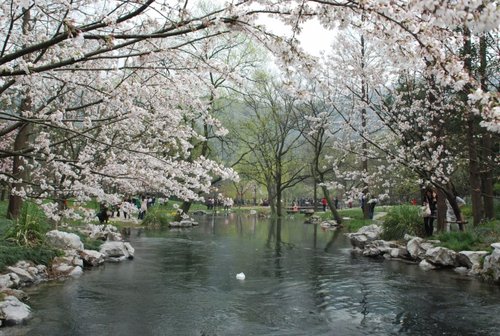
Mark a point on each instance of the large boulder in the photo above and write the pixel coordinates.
(116, 250)
(9, 280)
(378, 247)
(364, 235)
(25, 277)
(13, 311)
(64, 240)
(472, 260)
(91, 258)
(183, 223)
(26, 274)
(68, 266)
(102, 232)
(491, 265)
(441, 256)
(426, 266)
(417, 247)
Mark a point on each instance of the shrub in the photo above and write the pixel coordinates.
(29, 228)
(11, 254)
(401, 220)
(158, 217)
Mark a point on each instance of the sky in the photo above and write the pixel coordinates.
(313, 38)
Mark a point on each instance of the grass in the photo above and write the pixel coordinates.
(11, 254)
(477, 238)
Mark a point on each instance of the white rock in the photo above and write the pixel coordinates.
(441, 256)
(240, 276)
(76, 272)
(114, 249)
(491, 266)
(426, 266)
(64, 240)
(24, 275)
(92, 257)
(15, 311)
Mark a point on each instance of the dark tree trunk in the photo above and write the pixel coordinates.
(334, 211)
(20, 143)
(441, 211)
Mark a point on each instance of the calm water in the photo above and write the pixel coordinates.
(300, 280)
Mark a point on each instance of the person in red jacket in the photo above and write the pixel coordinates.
(324, 202)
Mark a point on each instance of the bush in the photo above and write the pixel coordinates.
(11, 254)
(158, 217)
(29, 229)
(401, 220)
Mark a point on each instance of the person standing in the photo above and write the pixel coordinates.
(143, 208)
(324, 202)
(430, 200)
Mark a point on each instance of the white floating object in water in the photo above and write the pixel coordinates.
(240, 276)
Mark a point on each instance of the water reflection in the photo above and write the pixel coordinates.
(300, 280)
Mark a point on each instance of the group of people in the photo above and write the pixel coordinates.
(430, 209)
(128, 206)
(212, 203)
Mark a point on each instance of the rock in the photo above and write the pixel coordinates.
(68, 266)
(6, 281)
(91, 258)
(130, 250)
(112, 249)
(14, 311)
(471, 260)
(417, 247)
(102, 232)
(461, 270)
(64, 240)
(19, 294)
(365, 235)
(313, 219)
(183, 223)
(491, 265)
(76, 272)
(426, 266)
(377, 248)
(441, 256)
(329, 224)
(26, 278)
(399, 252)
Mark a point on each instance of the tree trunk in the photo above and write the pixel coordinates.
(21, 142)
(186, 205)
(2, 194)
(452, 199)
(278, 201)
(334, 211)
(18, 170)
(441, 211)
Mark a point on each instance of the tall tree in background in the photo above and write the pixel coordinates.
(270, 133)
